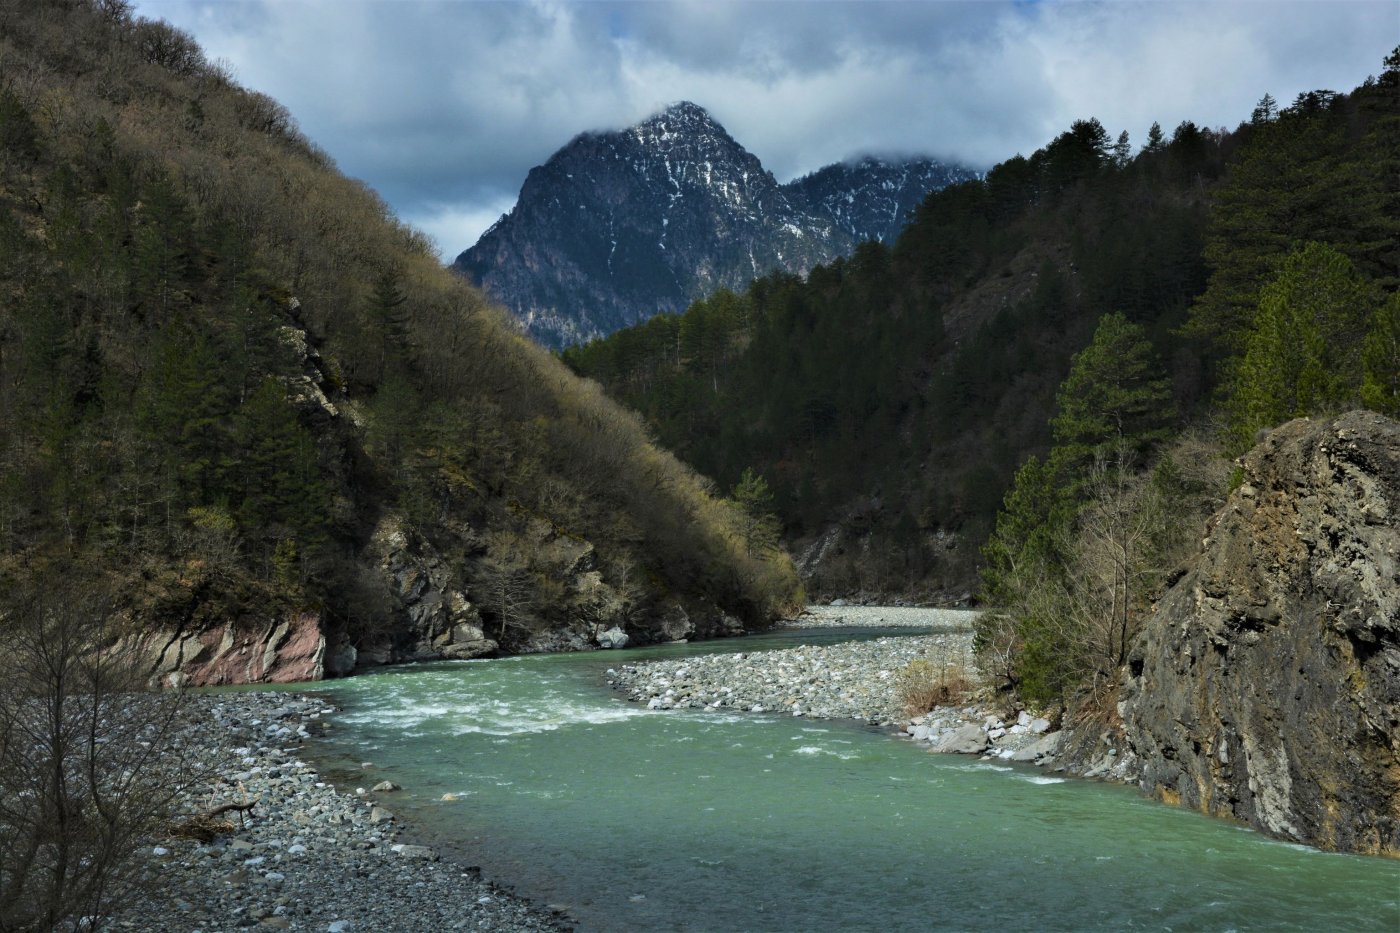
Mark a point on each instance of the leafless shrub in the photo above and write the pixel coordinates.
(90, 767)
(923, 685)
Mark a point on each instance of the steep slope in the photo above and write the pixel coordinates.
(1269, 684)
(242, 401)
(619, 226)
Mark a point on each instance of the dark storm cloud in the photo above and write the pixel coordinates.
(444, 106)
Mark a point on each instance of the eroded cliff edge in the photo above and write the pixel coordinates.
(1267, 685)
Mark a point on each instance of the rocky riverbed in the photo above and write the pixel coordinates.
(307, 856)
(856, 680)
(862, 681)
(841, 615)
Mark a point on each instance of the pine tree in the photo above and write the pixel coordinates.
(753, 503)
(1380, 360)
(185, 409)
(388, 322)
(1024, 546)
(1303, 177)
(1023, 579)
(1303, 354)
(1122, 150)
(1156, 139)
(1114, 399)
(284, 500)
(1266, 111)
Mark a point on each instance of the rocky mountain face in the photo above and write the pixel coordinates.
(619, 226)
(1268, 683)
(871, 199)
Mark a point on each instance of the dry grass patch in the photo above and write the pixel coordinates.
(923, 685)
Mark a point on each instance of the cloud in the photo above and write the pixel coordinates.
(445, 106)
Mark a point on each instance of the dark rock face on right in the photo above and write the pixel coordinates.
(1270, 672)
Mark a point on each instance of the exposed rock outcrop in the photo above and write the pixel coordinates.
(279, 651)
(433, 618)
(1269, 683)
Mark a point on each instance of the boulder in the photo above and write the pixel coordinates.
(1266, 685)
(465, 641)
(965, 740)
(612, 638)
(674, 624)
(1045, 747)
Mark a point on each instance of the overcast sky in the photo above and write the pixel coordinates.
(443, 106)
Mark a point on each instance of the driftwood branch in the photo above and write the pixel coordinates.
(241, 808)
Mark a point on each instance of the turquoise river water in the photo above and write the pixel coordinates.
(637, 820)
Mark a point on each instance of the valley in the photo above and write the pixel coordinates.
(903, 546)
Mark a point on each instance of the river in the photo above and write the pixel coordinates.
(638, 820)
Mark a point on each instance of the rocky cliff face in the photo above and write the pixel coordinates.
(1268, 684)
(619, 226)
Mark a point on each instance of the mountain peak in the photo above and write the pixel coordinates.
(619, 225)
(683, 120)
(684, 111)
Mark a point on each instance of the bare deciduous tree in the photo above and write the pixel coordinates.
(90, 765)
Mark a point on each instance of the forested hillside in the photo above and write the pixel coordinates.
(889, 399)
(234, 389)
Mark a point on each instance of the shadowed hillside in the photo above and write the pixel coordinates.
(251, 405)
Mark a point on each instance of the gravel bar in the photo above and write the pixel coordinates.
(856, 680)
(842, 616)
(307, 857)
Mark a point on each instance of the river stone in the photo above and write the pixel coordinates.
(415, 852)
(967, 740)
(384, 787)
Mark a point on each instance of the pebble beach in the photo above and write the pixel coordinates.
(308, 856)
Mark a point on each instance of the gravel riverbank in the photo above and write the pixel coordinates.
(841, 616)
(858, 680)
(312, 857)
(855, 680)
(307, 856)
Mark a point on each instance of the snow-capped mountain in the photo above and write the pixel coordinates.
(871, 198)
(619, 226)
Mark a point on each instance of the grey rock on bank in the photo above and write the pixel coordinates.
(1269, 684)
